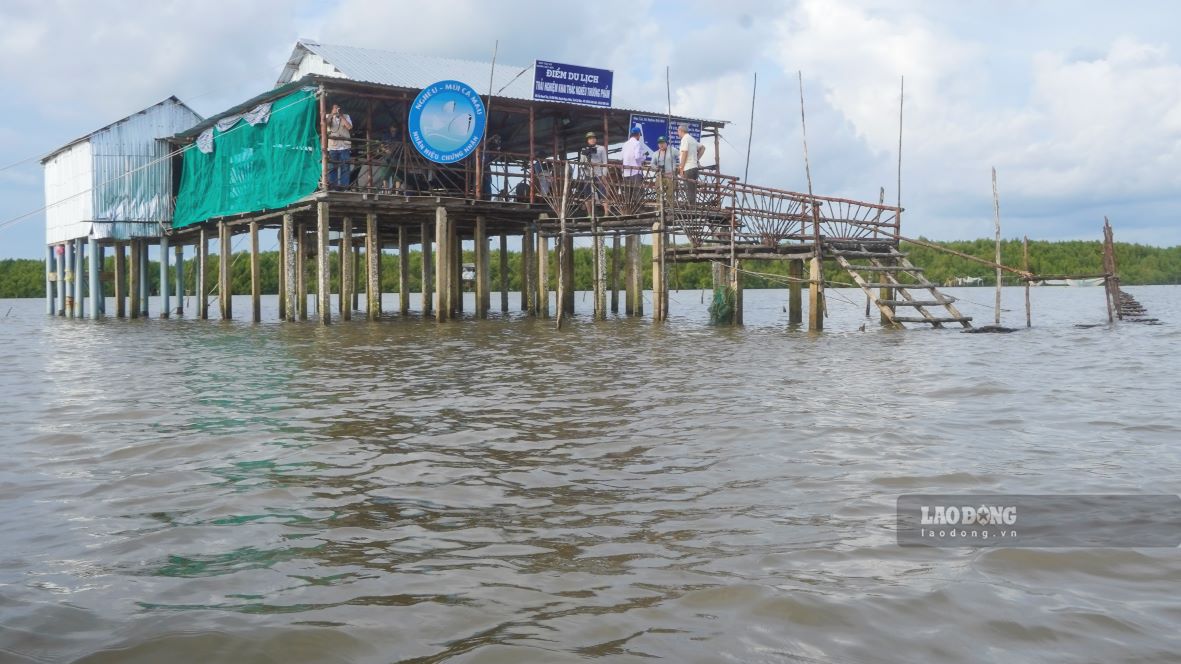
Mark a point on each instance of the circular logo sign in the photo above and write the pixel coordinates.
(446, 121)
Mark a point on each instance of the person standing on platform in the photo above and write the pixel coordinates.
(664, 160)
(635, 153)
(339, 147)
(593, 158)
(691, 152)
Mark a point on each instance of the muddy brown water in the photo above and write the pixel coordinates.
(497, 491)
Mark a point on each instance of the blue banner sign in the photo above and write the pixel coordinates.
(652, 127)
(572, 84)
(446, 121)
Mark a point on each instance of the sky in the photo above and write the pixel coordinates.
(1076, 104)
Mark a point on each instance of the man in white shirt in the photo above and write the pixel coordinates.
(691, 152)
(635, 153)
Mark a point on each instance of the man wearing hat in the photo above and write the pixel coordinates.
(664, 160)
(594, 156)
(635, 153)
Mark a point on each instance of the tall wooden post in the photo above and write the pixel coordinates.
(481, 255)
(226, 284)
(323, 281)
(633, 280)
(165, 293)
(255, 276)
(282, 276)
(613, 273)
(354, 290)
(179, 278)
(93, 263)
(428, 285)
(567, 269)
(736, 285)
(795, 270)
(1025, 266)
(144, 282)
(403, 270)
(599, 270)
(121, 280)
(348, 280)
(135, 256)
(301, 270)
(815, 295)
(527, 269)
(456, 269)
(290, 293)
(542, 276)
(444, 248)
(373, 266)
(504, 272)
(202, 273)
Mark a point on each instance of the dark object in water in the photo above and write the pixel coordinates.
(985, 329)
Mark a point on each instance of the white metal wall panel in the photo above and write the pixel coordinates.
(69, 204)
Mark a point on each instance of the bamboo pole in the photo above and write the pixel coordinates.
(996, 207)
(323, 267)
(348, 280)
(1025, 264)
(255, 276)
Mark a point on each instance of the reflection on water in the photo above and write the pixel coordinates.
(497, 491)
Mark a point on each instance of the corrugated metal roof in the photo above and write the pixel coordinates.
(171, 98)
(412, 71)
(406, 70)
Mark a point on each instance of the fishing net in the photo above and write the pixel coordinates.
(253, 167)
(721, 309)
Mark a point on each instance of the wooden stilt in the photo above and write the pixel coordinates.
(94, 260)
(290, 294)
(178, 278)
(631, 264)
(255, 276)
(301, 270)
(428, 265)
(815, 295)
(445, 247)
(135, 256)
(50, 283)
(354, 287)
(455, 261)
(225, 285)
(599, 270)
(373, 267)
(79, 280)
(481, 258)
(542, 276)
(120, 280)
(567, 269)
(403, 270)
(323, 283)
(202, 273)
(503, 272)
(282, 276)
(144, 283)
(736, 284)
(165, 273)
(527, 270)
(613, 273)
(1025, 266)
(348, 280)
(795, 312)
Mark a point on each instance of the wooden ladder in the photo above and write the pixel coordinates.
(886, 267)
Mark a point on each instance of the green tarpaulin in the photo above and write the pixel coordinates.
(253, 167)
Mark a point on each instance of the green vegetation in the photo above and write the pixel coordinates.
(1138, 264)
